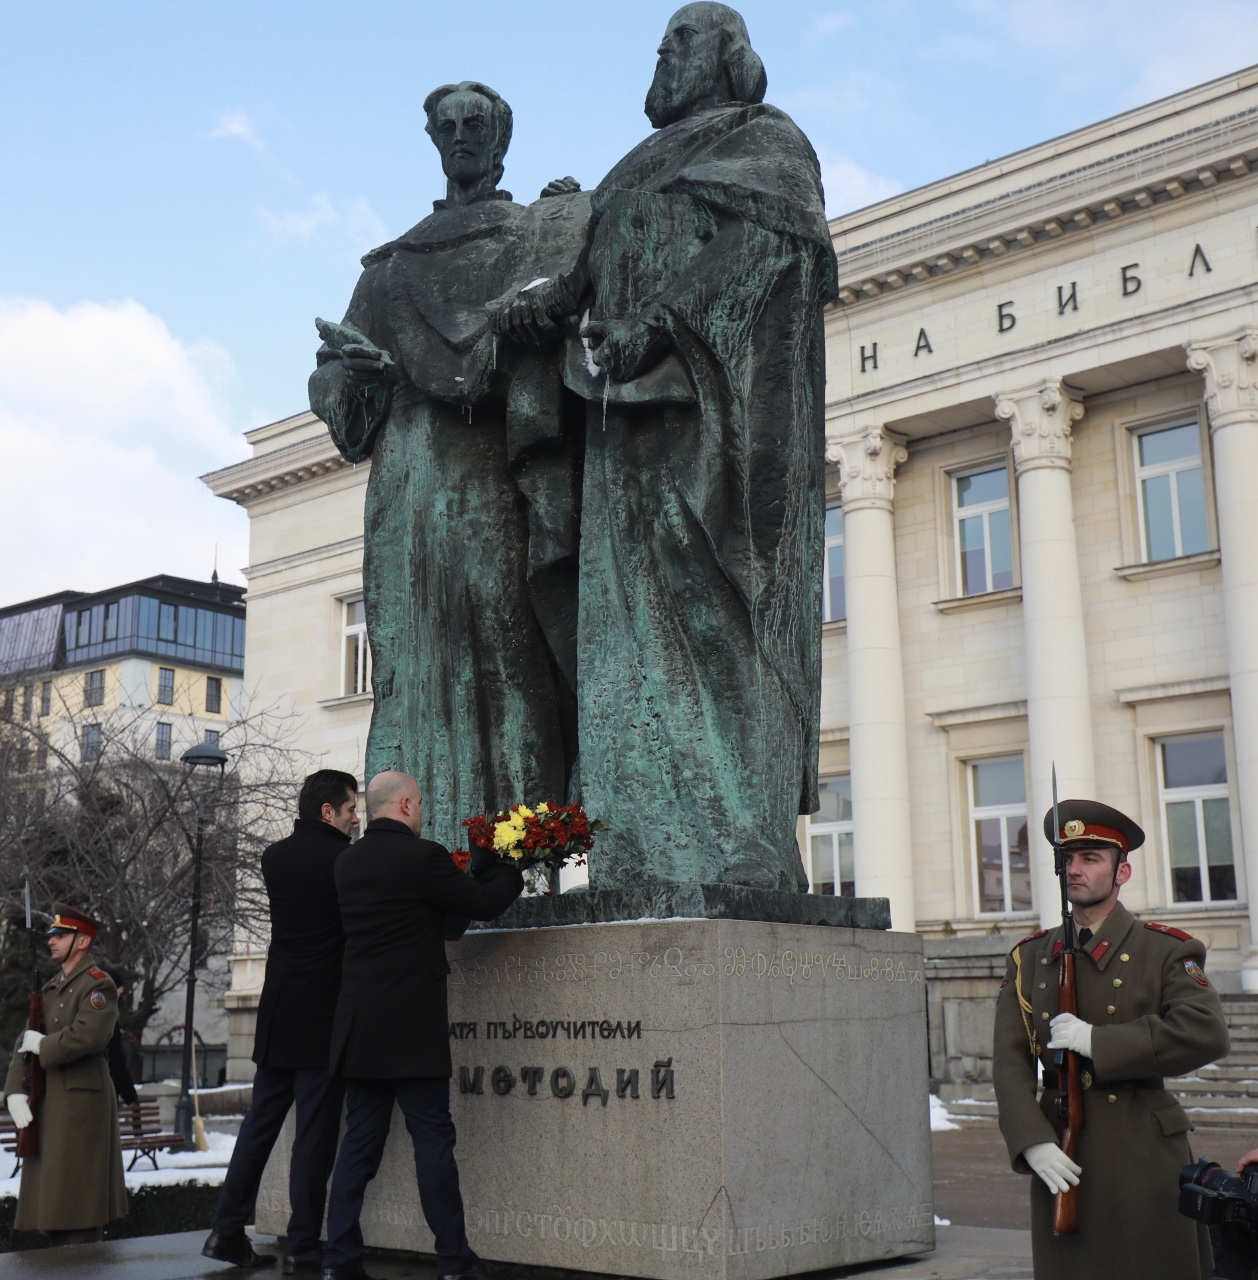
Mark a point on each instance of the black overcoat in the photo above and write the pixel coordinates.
(397, 894)
(303, 965)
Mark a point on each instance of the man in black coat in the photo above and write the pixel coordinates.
(303, 976)
(399, 896)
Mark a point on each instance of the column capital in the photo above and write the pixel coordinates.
(1230, 367)
(1041, 418)
(867, 461)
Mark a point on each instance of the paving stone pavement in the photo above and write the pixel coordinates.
(985, 1203)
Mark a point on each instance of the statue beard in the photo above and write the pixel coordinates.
(675, 86)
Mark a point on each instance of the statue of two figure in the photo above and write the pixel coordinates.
(594, 521)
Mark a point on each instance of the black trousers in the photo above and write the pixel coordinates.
(425, 1105)
(318, 1098)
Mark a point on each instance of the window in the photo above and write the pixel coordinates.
(8, 703)
(111, 621)
(165, 685)
(24, 756)
(90, 742)
(45, 698)
(161, 748)
(211, 738)
(1196, 818)
(166, 622)
(213, 693)
(1172, 492)
(355, 653)
(94, 688)
(28, 701)
(984, 544)
(1001, 852)
(41, 755)
(834, 591)
(831, 866)
(85, 628)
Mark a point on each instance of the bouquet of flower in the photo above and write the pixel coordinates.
(554, 834)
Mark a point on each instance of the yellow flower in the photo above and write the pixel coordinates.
(516, 820)
(505, 836)
(543, 807)
(522, 811)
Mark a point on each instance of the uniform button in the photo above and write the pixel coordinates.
(1113, 1097)
(1118, 982)
(1124, 957)
(1043, 985)
(1109, 1008)
(1044, 1017)
(1044, 960)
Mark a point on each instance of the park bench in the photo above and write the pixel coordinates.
(139, 1127)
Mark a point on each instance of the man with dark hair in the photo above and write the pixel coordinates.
(303, 975)
(1146, 1010)
(398, 894)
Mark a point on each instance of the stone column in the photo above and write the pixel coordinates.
(1230, 367)
(1059, 709)
(880, 760)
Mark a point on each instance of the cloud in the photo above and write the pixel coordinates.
(106, 420)
(848, 186)
(354, 220)
(1160, 42)
(238, 125)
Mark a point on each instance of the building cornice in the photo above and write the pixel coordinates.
(1087, 198)
(294, 464)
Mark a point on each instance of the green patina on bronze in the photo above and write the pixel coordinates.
(595, 515)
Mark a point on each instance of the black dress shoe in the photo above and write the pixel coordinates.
(295, 1263)
(473, 1272)
(235, 1247)
(351, 1271)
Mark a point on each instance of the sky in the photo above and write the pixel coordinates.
(184, 187)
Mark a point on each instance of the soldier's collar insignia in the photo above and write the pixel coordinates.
(1196, 973)
(1098, 952)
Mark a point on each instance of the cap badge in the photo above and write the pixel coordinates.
(1073, 828)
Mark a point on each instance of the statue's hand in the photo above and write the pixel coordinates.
(361, 357)
(525, 315)
(623, 349)
(560, 187)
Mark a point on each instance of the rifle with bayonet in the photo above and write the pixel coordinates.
(28, 1138)
(1069, 1067)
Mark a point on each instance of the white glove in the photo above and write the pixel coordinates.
(31, 1040)
(20, 1109)
(1058, 1171)
(1069, 1032)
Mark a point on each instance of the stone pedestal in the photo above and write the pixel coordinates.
(668, 1098)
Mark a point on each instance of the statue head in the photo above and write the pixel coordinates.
(470, 125)
(705, 59)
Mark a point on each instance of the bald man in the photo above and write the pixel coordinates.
(390, 1038)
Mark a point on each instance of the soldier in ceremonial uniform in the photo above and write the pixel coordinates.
(75, 1185)
(1146, 1011)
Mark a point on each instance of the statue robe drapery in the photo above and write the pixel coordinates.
(469, 527)
(703, 506)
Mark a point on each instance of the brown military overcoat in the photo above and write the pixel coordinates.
(1154, 1014)
(76, 1181)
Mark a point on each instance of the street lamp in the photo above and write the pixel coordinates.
(203, 757)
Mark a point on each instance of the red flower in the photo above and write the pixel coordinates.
(461, 858)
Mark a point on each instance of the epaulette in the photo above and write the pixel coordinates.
(98, 974)
(1173, 933)
(1031, 937)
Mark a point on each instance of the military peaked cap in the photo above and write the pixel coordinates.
(67, 919)
(1086, 823)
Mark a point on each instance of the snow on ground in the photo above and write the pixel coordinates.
(940, 1120)
(174, 1167)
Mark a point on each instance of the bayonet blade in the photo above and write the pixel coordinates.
(26, 894)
